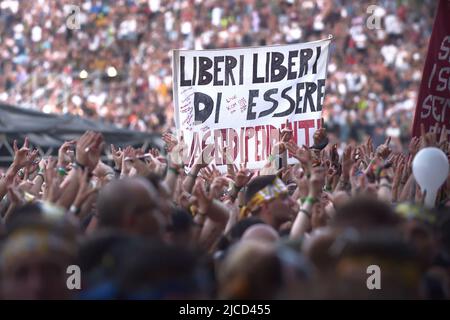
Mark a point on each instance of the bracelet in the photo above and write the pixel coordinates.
(378, 171)
(73, 209)
(40, 174)
(192, 175)
(321, 145)
(79, 165)
(28, 197)
(193, 209)
(61, 171)
(174, 170)
(306, 212)
(271, 158)
(236, 189)
(310, 200)
(385, 185)
(201, 214)
(345, 184)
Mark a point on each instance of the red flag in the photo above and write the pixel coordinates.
(433, 102)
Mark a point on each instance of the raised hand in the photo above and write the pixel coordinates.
(347, 162)
(302, 183)
(85, 190)
(170, 140)
(383, 151)
(63, 157)
(117, 155)
(414, 146)
(334, 155)
(319, 217)
(443, 140)
(21, 156)
(176, 153)
(397, 181)
(316, 182)
(33, 162)
(52, 190)
(368, 148)
(185, 200)
(243, 176)
(88, 149)
(102, 170)
(357, 178)
(427, 139)
(154, 152)
(126, 166)
(365, 151)
(204, 200)
(140, 166)
(218, 184)
(331, 175)
(208, 174)
(15, 195)
(320, 136)
(287, 174)
(286, 134)
(278, 148)
(205, 158)
(301, 154)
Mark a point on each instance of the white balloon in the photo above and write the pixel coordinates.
(430, 169)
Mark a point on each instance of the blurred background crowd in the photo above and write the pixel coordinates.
(144, 226)
(117, 66)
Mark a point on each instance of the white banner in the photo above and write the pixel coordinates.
(241, 97)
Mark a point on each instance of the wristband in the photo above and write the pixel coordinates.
(73, 209)
(201, 214)
(174, 170)
(61, 171)
(344, 184)
(306, 212)
(310, 200)
(28, 197)
(79, 165)
(321, 145)
(236, 189)
(192, 175)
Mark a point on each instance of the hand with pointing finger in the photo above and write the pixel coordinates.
(383, 151)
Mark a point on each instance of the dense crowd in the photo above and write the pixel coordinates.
(117, 66)
(150, 228)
